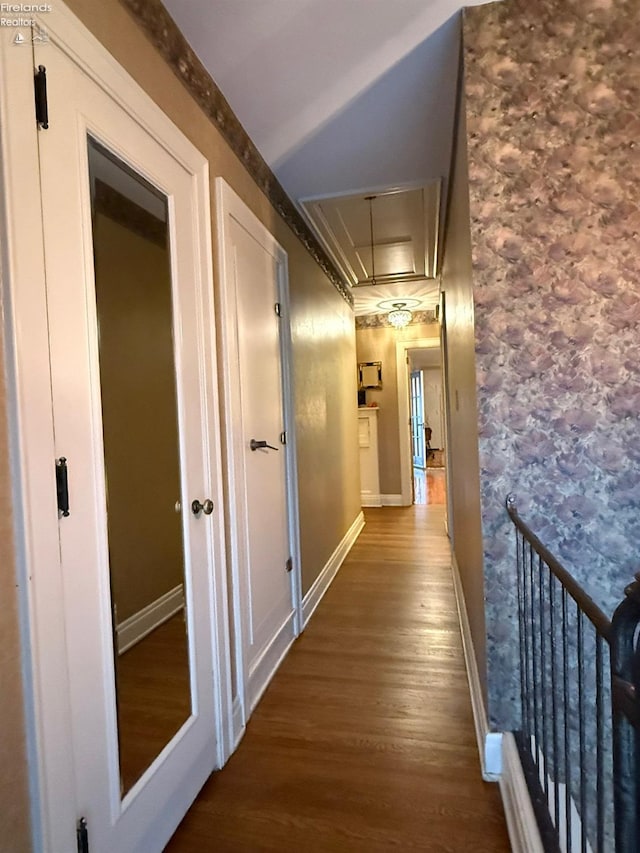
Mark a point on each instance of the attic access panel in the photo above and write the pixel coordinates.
(405, 233)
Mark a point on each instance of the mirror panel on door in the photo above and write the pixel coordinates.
(142, 460)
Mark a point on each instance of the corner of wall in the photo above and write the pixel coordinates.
(460, 395)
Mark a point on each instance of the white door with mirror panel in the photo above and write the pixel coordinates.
(140, 599)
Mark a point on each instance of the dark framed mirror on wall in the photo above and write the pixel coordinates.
(370, 375)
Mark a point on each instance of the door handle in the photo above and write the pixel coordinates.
(260, 445)
(206, 507)
(62, 486)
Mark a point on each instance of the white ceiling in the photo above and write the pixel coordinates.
(379, 299)
(339, 96)
(375, 238)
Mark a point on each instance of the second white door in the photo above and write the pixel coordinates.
(254, 285)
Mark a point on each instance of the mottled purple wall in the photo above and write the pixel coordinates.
(553, 114)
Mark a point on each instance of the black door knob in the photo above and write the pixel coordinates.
(206, 507)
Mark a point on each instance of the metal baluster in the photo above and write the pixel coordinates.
(524, 672)
(536, 753)
(527, 724)
(600, 743)
(581, 735)
(554, 699)
(566, 716)
(543, 680)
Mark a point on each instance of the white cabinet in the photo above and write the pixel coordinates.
(369, 469)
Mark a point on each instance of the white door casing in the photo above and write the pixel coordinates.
(258, 405)
(73, 738)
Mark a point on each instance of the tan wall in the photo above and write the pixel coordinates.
(379, 344)
(14, 801)
(137, 374)
(325, 386)
(460, 375)
(323, 334)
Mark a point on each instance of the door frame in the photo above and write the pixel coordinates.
(229, 206)
(404, 411)
(24, 301)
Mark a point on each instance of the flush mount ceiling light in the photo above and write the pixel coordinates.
(400, 316)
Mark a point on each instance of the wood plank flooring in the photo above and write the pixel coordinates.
(154, 697)
(429, 486)
(364, 740)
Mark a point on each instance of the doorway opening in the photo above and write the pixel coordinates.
(423, 459)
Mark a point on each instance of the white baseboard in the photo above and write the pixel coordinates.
(322, 582)
(369, 499)
(521, 820)
(499, 757)
(489, 743)
(236, 727)
(391, 500)
(131, 630)
(237, 723)
(265, 667)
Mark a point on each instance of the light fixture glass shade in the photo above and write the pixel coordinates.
(400, 316)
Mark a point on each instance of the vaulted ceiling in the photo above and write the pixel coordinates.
(343, 98)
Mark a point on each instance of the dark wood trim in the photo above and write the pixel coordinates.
(167, 38)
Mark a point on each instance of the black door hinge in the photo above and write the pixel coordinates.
(62, 486)
(82, 834)
(278, 309)
(283, 438)
(42, 106)
(289, 565)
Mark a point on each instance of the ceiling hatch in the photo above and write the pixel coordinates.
(404, 224)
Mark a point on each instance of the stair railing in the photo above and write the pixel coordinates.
(579, 740)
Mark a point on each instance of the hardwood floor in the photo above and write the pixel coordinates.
(154, 697)
(364, 740)
(429, 486)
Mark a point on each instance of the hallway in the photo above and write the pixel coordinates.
(364, 740)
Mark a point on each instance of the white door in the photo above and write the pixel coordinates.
(254, 274)
(134, 418)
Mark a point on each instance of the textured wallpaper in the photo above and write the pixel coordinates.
(553, 112)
